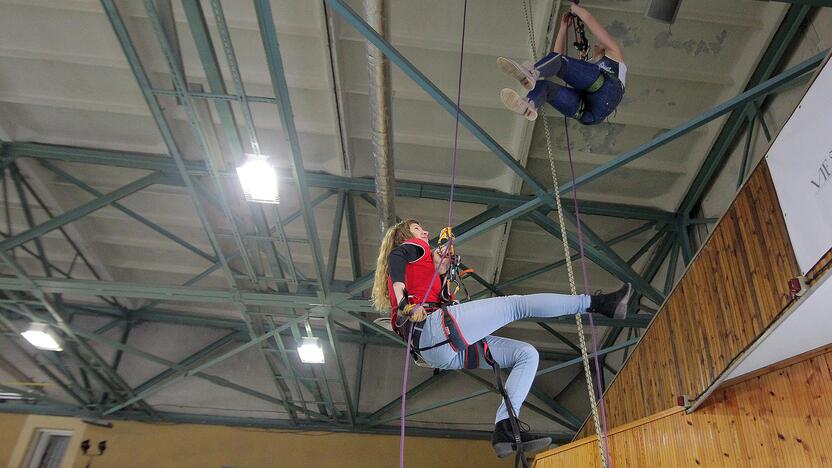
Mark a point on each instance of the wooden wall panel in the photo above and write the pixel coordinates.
(780, 418)
(735, 287)
(823, 264)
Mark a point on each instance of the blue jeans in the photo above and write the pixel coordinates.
(579, 75)
(478, 319)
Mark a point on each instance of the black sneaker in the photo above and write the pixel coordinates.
(612, 305)
(503, 439)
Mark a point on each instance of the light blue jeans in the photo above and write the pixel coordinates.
(478, 319)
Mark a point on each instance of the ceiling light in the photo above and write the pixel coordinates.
(259, 179)
(10, 396)
(41, 337)
(310, 351)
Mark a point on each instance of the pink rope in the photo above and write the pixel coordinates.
(586, 291)
(593, 334)
(450, 241)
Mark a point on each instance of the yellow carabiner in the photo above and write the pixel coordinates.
(446, 235)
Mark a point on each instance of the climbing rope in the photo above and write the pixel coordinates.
(581, 43)
(447, 231)
(603, 447)
(453, 283)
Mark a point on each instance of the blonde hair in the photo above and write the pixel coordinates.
(394, 237)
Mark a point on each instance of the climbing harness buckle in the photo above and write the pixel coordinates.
(453, 277)
(581, 42)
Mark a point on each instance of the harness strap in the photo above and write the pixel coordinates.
(595, 86)
(453, 337)
(520, 457)
(473, 351)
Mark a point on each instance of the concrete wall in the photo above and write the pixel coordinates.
(137, 444)
(17, 432)
(11, 425)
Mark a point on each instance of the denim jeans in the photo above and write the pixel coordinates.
(478, 319)
(579, 75)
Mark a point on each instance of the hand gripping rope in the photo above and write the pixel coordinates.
(583, 47)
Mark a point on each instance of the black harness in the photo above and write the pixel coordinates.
(454, 338)
(581, 42)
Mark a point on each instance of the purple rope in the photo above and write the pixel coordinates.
(450, 241)
(404, 394)
(586, 291)
(456, 126)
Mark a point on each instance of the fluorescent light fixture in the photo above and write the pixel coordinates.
(10, 396)
(259, 179)
(41, 337)
(310, 351)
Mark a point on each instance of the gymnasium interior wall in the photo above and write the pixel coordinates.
(778, 417)
(815, 37)
(137, 444)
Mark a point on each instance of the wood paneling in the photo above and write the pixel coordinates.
(820, 267)
(734, 288)
(782, 418)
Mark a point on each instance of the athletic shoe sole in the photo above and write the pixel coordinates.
(517, 104)
(621, 307)
(516, 71)
(505, 449)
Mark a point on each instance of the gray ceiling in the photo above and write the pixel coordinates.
(64, 80)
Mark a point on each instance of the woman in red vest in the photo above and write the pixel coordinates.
(408, 282)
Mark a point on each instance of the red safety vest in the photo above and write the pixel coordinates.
(417, 277)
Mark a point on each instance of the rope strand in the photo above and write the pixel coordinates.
(449, 245)
(603, 443)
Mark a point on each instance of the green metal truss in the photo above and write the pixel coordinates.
(272, 301)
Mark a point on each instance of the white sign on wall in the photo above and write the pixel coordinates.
(800, 160)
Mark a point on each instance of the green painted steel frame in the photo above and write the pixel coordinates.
(432, 191)
(759, 87)
(274, 60)
(780, 44)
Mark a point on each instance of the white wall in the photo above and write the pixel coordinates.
(806, 327)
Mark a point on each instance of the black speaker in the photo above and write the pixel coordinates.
(663, 10)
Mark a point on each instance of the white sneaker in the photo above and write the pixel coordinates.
(526, 74)
(518, 104)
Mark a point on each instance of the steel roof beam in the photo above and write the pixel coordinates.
(177, 293)
(268, 34)
(212, 160)
(190, 418)
(211, 66)
(194, 369)
(441, 98)
(81, 211)
(600, 256)
(475, 195)
(86, 354)
(779, 45)
(178, 163)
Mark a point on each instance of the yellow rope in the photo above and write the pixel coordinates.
(567, 257)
